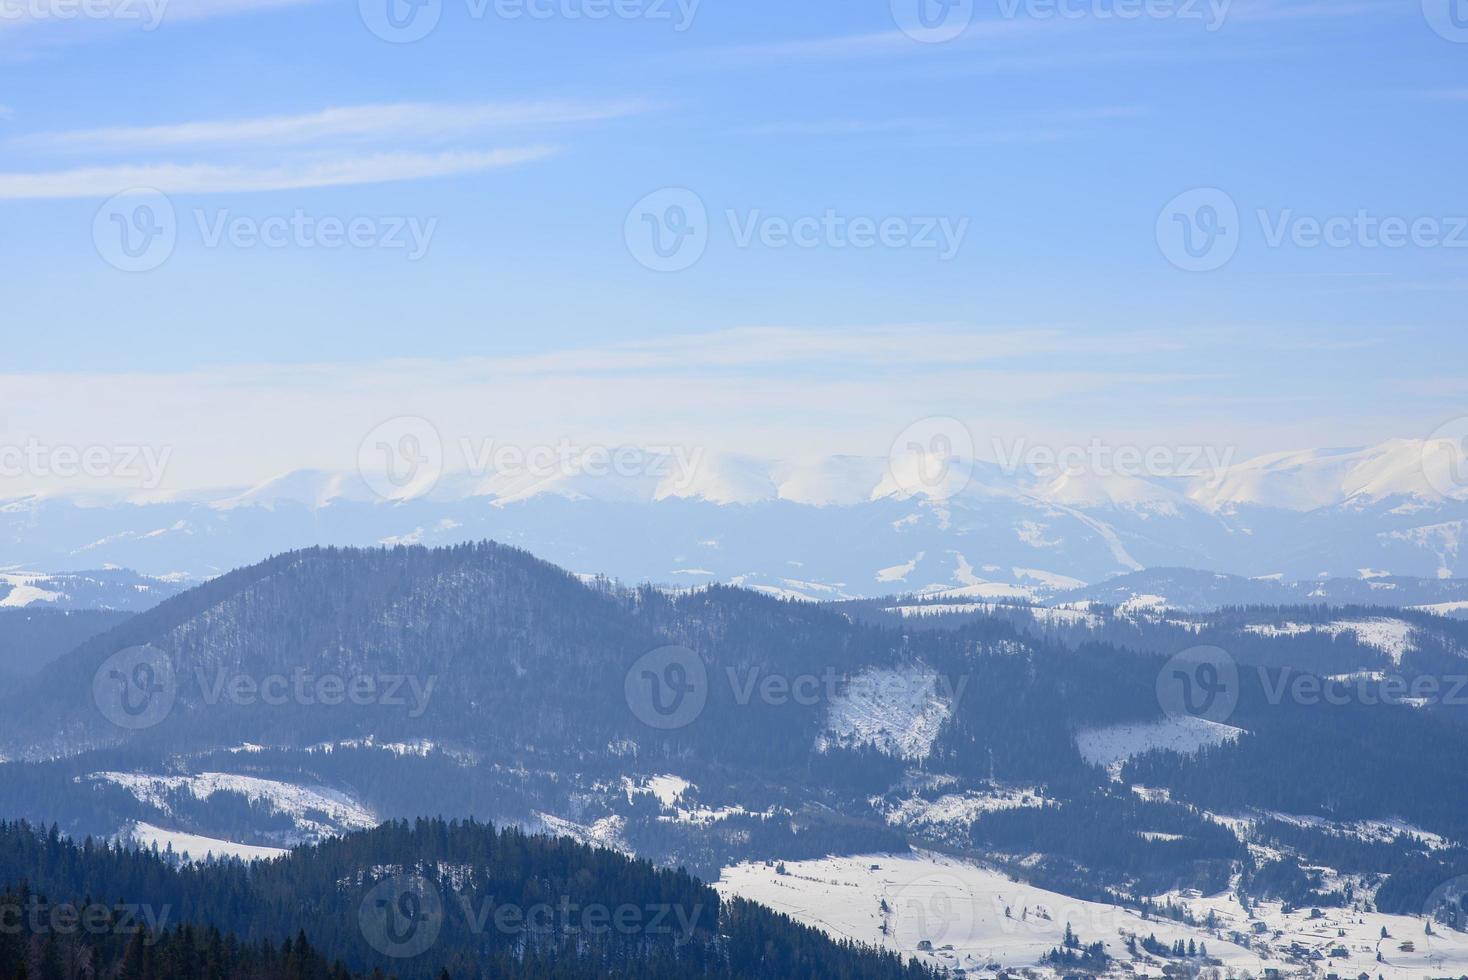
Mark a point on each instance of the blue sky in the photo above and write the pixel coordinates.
(518, 147)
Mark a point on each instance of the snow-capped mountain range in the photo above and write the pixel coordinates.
(829, 528)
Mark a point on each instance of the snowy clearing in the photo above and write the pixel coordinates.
(898, 712)
(898, 901)
(305, 805)
(1393, 637)
(958, 809)
(196, 848)
(1114, 744)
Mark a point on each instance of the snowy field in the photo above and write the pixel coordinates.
(303, 804)
(23, 590)
(1359, 933)
(989, 921)
(958, 809)
(1393, 637)
(196, 848)
(976, 919)
(1109, 747)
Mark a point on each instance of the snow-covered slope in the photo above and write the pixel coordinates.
(316, 811)
(196, 848)
(1303, 481)
(1114, 744)
(897, 712)
(111, 588)
(971, 918)
(1393, 637)
(949, 913)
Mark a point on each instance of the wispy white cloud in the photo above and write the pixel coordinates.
(1023, 127)
(940, 346)
(208, 178)
(1214, 14)
(768, 391)
(844, 127)
(845, 47)
(773, 390)
(419, 121)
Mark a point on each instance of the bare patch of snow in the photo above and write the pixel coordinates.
(1393, 637)
(900, 712)
(948, 913)
(196, 848)
(303, 804)
(1114, 744)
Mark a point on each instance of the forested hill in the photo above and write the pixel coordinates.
(409, 900)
